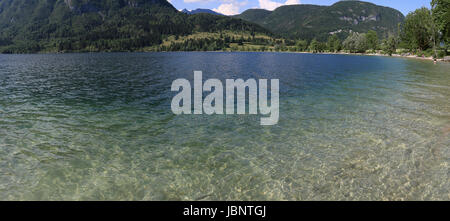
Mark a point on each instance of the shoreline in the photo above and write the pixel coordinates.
(288, 52)
(379, 55)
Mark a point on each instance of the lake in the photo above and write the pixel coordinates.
(100, 127)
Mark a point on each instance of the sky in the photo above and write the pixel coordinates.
(232, 7)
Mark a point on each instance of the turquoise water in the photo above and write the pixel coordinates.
(100, 127)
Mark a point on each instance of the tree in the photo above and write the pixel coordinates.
(372, 40)
(301, 45)
(334, 44)
(390, 45)
(418, 29)
(314, 46)
(356, 42)
(441, 17)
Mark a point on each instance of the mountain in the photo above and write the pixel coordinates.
(101, 25)
(313, 21)
(200, 10)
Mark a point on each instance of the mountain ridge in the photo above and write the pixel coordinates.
(308, 21)
(200, 10)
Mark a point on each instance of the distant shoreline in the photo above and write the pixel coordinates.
(286, 52)
(385, 55)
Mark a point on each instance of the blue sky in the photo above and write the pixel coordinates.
(230, 7)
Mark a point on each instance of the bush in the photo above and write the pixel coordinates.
(429, 52)
(441, 53)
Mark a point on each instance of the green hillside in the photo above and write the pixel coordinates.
(101, 25)
(312, 21)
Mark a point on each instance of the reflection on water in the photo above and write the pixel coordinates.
(99, 127)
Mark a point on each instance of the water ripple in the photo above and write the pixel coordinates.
(99, 127)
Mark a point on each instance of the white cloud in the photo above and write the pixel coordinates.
(233, 7)
(271, 5)
(229, 7)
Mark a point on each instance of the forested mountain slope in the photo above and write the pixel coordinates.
(101, 25)
(313, 21)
